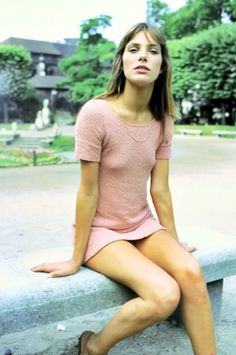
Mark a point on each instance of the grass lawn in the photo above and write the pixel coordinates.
(206, 129)
(20, 126)
(63, 144)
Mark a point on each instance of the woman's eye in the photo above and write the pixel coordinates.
(154, 51)
(133, 50)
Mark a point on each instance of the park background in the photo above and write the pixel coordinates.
(39, 176)
(45, 76)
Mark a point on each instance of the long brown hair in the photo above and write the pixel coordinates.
(162, 102)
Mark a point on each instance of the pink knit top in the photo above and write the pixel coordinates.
(127, 153)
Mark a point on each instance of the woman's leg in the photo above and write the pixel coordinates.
(167, 253)
(158, 294)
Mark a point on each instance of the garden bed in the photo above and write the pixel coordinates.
(14, 157)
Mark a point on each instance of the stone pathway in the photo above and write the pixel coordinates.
(37, 212)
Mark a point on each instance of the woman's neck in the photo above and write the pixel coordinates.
(135, 100)
(133, 108)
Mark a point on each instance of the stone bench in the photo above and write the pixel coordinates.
(224, 133)
(32, 142)
(32, 301)
(7, 137)
(193, 132)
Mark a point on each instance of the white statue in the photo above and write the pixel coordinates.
(45, 113)
(43, 116)
(39, 122)
(186, 106)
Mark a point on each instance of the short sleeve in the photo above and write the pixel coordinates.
(89, 133)
(164, 149)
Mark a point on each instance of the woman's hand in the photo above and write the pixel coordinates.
(58, 269)
(189, 248)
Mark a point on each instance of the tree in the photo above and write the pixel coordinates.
(88, 70)
(230, 9)
(157, 11)
(14, 73)
(90, 28)
(195, 16)
(206, 60)
(179, 23)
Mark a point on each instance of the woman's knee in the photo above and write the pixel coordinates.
(190, 272)
(165, 299)
(191, 278)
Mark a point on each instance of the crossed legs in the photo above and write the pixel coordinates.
(161, 273)
(195, 305)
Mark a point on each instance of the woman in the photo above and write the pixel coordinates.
(123, 137)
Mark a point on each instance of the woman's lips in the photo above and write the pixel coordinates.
(142, 67)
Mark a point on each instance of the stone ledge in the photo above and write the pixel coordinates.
(30, 299)
(164, 339)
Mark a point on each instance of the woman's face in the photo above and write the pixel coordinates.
(142, 60)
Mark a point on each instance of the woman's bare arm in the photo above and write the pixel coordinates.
(86, 204)
(161, 196)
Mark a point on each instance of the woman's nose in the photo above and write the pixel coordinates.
(143, 57)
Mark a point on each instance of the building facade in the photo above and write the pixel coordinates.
(45, 74)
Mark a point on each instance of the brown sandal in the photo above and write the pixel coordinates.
(83, 339)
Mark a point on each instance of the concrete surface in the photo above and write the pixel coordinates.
(167, 338)
(37, 210)
(26, 298)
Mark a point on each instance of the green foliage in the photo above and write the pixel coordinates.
(230, 9)
(63, 144)
(157, 11)
(91, 29)
(206, 59)
(195, 16)
(14, 71)
(180, 23)
(29, 104)
(87, 72)
(20, 126)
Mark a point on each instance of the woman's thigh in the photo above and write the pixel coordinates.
(123, 262)
(167, 253)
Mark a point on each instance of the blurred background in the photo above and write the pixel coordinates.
(57, 54)
(62, 51)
